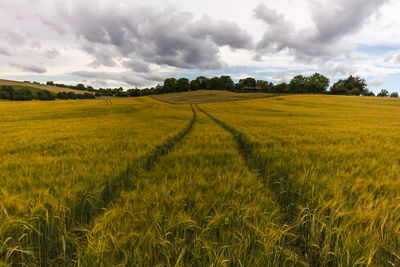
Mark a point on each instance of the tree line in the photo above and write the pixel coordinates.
(300, 84)
(79, 86)
(22, 93)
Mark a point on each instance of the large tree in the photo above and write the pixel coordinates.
(314, 84)
(215, 83)
(298, 84)
(317, 83)
(227, 82)
(169, 85)
(353, 85)
(194, 85)
(182, 85)
(248, 82)
(202, 82)
(265, 86)
(281, 88)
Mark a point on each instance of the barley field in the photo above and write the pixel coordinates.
(207, 96)
(296, 180)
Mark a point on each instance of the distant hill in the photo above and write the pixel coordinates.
(207, 96)
(35, 87)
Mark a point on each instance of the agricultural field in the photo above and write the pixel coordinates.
(213, 180)
(207, 96)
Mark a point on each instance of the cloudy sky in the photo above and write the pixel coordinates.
(138, 43)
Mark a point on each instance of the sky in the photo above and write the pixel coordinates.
(130, 43)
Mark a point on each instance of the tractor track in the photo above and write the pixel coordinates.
(124, 180)
(87, 206)
(287, 199)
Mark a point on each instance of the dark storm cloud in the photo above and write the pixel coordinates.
(29, 67)
(166, 37)
(333, 20)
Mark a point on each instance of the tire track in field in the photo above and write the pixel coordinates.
(164, 148)
(284, 194)
(86, 206)
(87, 209)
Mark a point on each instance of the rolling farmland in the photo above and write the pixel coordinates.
(207, 96)
(282, 180)
(37, 87)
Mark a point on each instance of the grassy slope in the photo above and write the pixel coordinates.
(35, 87)
(207, 96)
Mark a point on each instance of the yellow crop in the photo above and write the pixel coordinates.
(294, 180)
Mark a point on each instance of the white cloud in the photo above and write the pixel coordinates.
(119, 38)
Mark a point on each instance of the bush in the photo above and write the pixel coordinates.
(72, 95)
(22, 94)
(383, 93)
(45, 95)
(4, 95)
(6, 92)
(369, 93)
(354, 91)
(88, 96)
(62, 95)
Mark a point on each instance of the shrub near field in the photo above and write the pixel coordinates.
(333, 165)
(62, 162)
